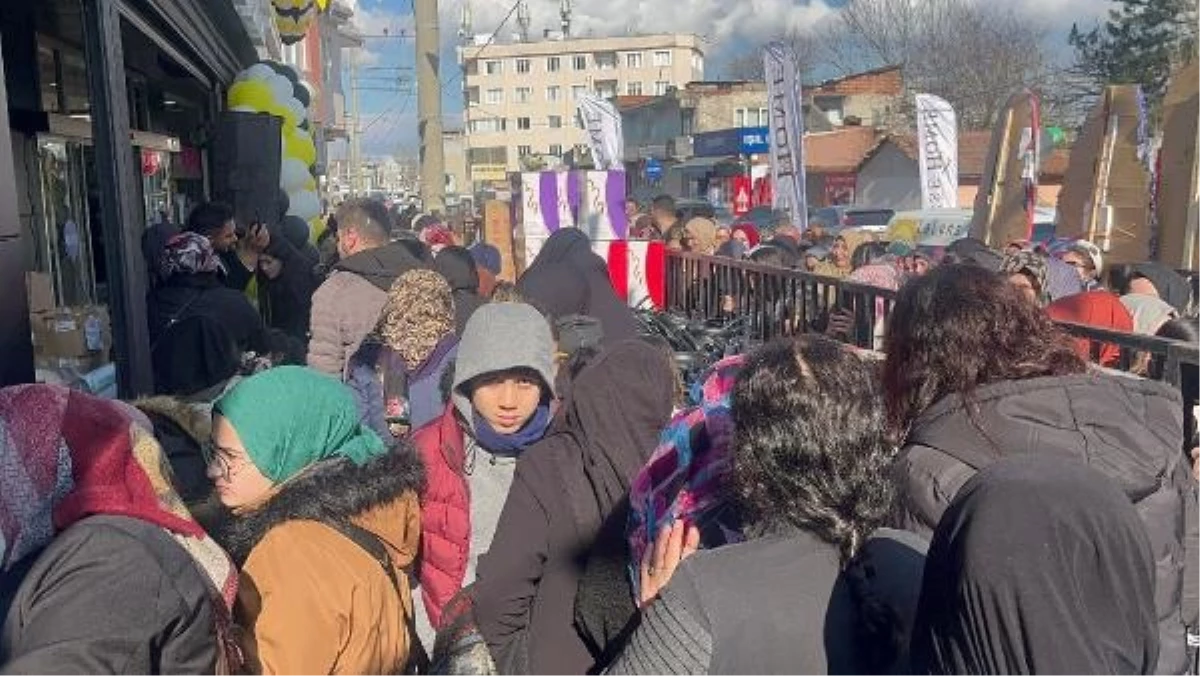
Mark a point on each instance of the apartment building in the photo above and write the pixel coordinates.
(521, 97)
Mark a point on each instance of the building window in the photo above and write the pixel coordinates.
(580, 61)
(751, 117)
(522, 66)
(661, 87)
(606, 60)
(662, 58)
(523, 124)
(555, 122)
(524, 95)
(553, 64)
(577, 91)
(523, 151)
(606, 89)
(493, 67)
(487, 125)
(556, 149)
(633, 88)
(697, 63)
(494, 96)
(633, 60)
(554, 93)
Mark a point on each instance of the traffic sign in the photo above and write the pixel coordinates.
(741, 195)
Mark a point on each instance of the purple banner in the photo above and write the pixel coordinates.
(548, 198)
(615, 196)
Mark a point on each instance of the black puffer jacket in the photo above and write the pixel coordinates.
(1129, 429)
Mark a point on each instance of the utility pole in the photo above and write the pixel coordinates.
(429, 107)
(355, 131)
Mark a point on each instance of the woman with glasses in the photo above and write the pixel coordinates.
(325, 522)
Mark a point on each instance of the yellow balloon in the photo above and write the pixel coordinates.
(299, 145)
(254, 95)
(316, 228)
(903, 230)
(257, 95)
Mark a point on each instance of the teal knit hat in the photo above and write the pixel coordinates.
(291, 417)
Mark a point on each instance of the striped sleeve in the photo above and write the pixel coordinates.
(673, 638)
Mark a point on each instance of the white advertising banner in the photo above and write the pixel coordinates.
(937, 136)
(603, 125)
(787, 133)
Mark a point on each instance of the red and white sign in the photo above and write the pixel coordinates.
(741, 195)
(638, 271)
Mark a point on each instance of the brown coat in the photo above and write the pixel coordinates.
(312, 600)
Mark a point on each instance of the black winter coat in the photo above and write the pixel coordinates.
(110, 595)
(186, 296)
(1129, 429)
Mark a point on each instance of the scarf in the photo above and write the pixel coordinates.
(418, 315)
(66, 455)
(189, 253)
(1033, 264)
(514, 444)
(292, 417)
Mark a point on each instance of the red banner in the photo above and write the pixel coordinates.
(839, 189)
(742, 195)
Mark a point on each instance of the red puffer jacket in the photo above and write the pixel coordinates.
(445, 513)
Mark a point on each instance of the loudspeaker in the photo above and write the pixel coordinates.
(246, 157)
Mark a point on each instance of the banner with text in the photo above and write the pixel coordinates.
(937, 136)
(787, 132)
(603, 125)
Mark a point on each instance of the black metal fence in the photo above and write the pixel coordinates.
(774, 301)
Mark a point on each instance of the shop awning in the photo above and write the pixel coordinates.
(703, 165)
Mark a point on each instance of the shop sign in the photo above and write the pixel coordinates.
(489, 172)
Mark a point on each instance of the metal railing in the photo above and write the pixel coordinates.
(780, 302)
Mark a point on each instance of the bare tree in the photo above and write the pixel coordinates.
(749, 65)
(973, 54)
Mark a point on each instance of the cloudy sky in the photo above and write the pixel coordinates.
(729, 28)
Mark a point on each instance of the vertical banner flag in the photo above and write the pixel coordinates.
(787, 132)
(937, 135)
(603, 125)
(1031, 161)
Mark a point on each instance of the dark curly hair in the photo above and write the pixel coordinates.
(960, 327)
(811, 449)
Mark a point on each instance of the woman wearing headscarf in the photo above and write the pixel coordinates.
(191, 287)
(1040, 565)
(1094, 308)
(1156, 279)
(817, 586)
(700, 236)
(458, 267)
(568, 278)
(325, 522)
(747, 234)
(1027, 271)
(104, 570)
(500, 406)
(975, 373)
(1149, 312)
(564, 520)
(288, 279)
(838, 264)
(396, 375)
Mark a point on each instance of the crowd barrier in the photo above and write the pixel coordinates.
(779, 302)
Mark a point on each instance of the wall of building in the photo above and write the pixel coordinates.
(717, 109)
(524, 99)
(648, 128)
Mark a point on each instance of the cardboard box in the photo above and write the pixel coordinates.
(40, 289)
(72, 333)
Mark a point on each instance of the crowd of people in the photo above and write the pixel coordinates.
(369, 456)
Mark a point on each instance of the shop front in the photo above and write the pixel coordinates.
(110, 109)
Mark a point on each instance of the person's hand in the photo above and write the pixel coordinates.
(673, 545)
(258, 237)
(841, 323)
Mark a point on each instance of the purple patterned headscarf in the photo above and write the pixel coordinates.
(189, 253)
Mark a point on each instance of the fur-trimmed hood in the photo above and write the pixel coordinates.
(195, 420)
(333, 491)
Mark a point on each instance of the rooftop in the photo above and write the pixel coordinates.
(501, 47)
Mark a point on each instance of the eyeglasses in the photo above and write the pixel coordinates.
(214, 457)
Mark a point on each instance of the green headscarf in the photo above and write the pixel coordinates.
(291, 417)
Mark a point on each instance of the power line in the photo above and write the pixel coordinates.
(491, 38)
